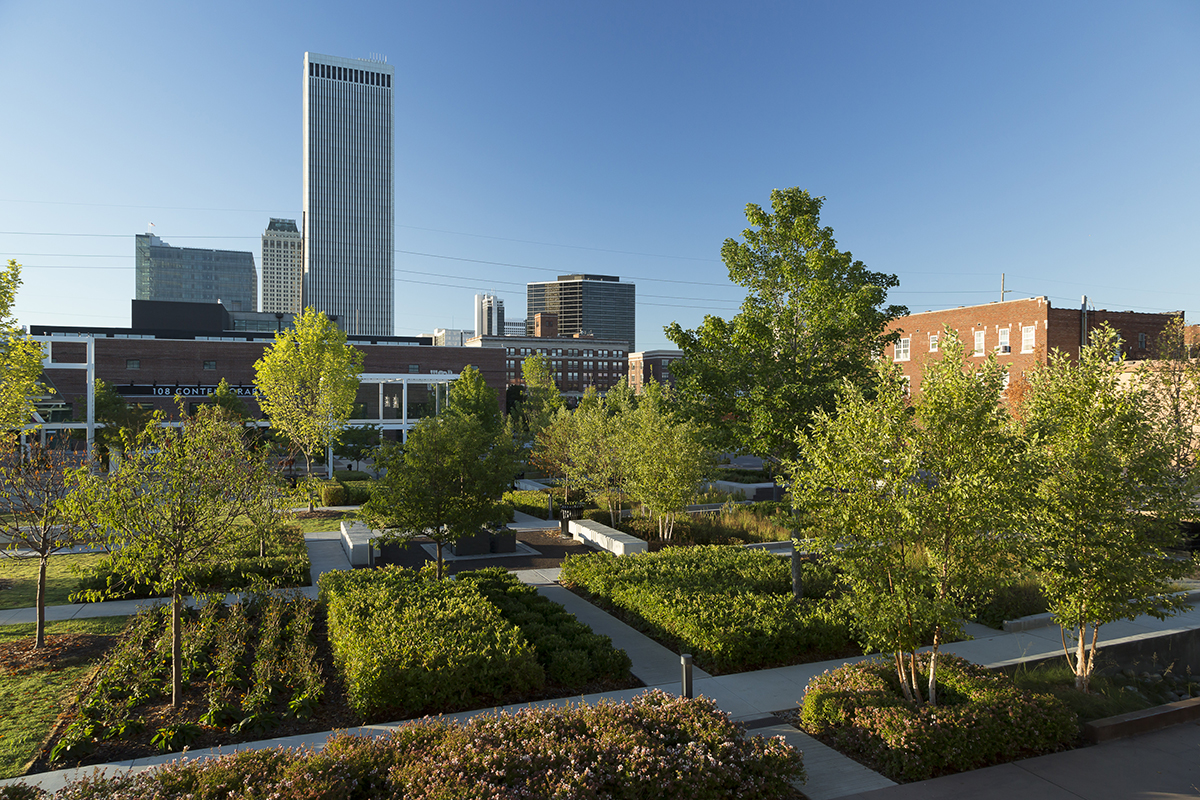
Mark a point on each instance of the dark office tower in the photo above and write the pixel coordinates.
(190, 274)
(349, 213)
(599, 305)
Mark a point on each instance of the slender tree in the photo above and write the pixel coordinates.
(542, 400)
(178, 502)
(34, 481)
(20, 357)
(1109, 499)
(306, 382)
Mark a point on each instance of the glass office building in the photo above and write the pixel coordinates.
(599, 305)
(349, 211)
(190, 274)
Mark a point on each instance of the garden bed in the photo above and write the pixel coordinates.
(655, 745)
(731, 608)
(736, 524)
(982, 718)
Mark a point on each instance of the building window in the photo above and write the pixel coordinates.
(133, 363)
(933, 342)
(1027, 338)
(902, 350)
(1142, 341)
(979, 342)
(1003, 346)
(414, 368)
(210, 365)
(906, 385)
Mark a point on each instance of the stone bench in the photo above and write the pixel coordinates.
(606, 538)
(356, 543)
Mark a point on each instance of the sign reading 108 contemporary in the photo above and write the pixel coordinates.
(133, 390)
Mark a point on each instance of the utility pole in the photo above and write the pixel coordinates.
(1003, 291)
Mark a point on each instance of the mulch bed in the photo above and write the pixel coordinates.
(61, 649)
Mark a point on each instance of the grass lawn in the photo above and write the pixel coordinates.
(324, 521)
(32, 695)
(60, 580)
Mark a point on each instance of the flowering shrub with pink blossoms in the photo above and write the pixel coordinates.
(654, 746)
(982, 718)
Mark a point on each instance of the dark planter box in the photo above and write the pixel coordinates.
(475, 545)
(504, 542)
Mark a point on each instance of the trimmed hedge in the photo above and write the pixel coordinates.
(408, 643)
(982, 719)
(286, 565)
(656, 745)
(730, 607)
(568, 651)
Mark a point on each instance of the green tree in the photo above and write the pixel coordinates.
(177, 503)
(665, 457)
(812, 318)
(226, 398)
(1171, 382)
(34, 482)
(916, 504)
(542, 399)
(355, 443)
(306, 382)
(1108, 499)
(553, 447)
(122, 420)
(20, 357)
(445, 483)
(597, 457)
(470, 396)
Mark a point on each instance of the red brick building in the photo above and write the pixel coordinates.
(652, 365)
(1020, 332)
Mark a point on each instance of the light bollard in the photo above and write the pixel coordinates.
(685, 661)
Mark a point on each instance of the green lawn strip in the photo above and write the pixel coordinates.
(322, 525)
(31, 702)
(60, 579)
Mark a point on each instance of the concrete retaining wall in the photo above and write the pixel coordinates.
(585, 530)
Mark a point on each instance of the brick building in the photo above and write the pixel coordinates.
(151, 367)
(1020, 332)
(575, 362)
(652, 365)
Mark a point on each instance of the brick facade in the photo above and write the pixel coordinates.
(652, 365)
(1031, 328)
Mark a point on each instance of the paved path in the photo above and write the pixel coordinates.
(1166, 759)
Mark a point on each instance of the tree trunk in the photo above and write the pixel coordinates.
(439, 559)
(937, 635)
(903, 677)
(797, 575)
(308, 481)
(1081, 662)
(39, 636)
(915, 674)
(176, 648)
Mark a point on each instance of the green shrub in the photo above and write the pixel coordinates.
(567, 650)
(359, 491)
(349, 475)
(333, 494)
(527, 501)
(982, 719)
(731, 608)
(1012, 601)
(410, 643)
(655, 745)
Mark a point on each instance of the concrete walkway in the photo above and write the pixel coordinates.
(1167, 757)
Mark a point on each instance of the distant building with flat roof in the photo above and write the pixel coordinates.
(194, 275)
(599, 305)
(652, 365)
(282, 267)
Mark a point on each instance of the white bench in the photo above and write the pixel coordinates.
(585, 530)
(356, 543)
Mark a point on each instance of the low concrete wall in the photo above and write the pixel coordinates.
(1144, 721)
(585, 530)
(356, 544)
(1179, 649)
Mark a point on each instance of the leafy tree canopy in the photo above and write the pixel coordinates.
(20, 357)
(812, 318)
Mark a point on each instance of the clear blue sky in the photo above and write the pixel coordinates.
(1054, 142)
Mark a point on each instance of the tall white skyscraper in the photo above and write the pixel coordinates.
(489, 315)
(349, 212)
(282, 267)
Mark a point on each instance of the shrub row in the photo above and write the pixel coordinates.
(286, 564)
(568, 651)
(982, 719)
(346, 493)
(407, 643)
(256, 660)
(731, 608)
(653, 746)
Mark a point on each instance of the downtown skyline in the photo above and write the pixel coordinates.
(1055, 145)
